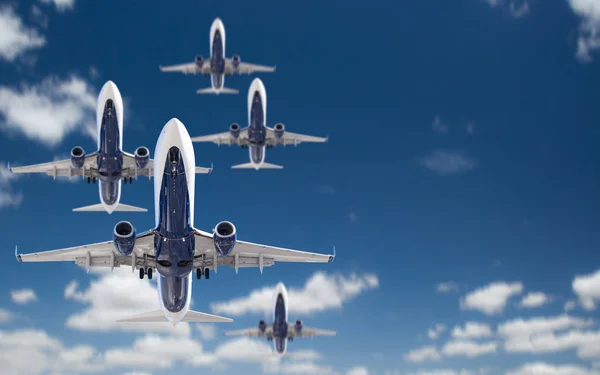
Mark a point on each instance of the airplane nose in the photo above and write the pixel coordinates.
(109, 90)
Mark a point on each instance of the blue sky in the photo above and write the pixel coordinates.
(460, 184)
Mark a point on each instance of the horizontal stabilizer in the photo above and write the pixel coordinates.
(203, 170)
(257, 167)
(224, 90)
(100, 207)
(190, 316)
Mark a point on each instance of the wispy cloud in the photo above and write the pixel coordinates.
(23, 296)
(448, 162)
(517, 8)
(447, 287)
(61, 106)
(491, 299)
(435, 332)
(439, 126)
(589, 28)
(325, 189)
(534, 299)
(61, 5)
(16, 38)
(353, 217)
(587, 288)
(8, 197)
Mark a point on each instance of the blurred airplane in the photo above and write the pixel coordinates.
(257, 136)
(217, 66)
(280, 331)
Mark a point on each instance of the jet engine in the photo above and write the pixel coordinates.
(298, 326)
(224, 237)
(236, 61)
(279, 130)
(77, 157)
(234, 129)
(199, 61)
(142, 156)
(124, 237)
(262, 326)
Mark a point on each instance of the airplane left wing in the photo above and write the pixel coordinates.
(130, 168)
(292, 138)
(309, 332)
(246, 68)
(248, 254)
(251, 332)
(101, 254)
(188, 68)
(224, 138)
(63, 168)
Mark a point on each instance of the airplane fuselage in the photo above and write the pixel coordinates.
(217, 55)
(257, 123)
(109, 118)
(174, 238)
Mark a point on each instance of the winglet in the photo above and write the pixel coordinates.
(327, 138)
(332, 257)
(18, 256)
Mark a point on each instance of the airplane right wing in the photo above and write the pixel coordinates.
(310, 332)
(188, 68)
(224, 138)
(252, 332)
(101, 254)
(63, 168)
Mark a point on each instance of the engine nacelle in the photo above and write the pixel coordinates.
(224, 237)
(262, 326)
(234, 129)
(279, 130)
(124, 238)
(77, 157)
(142, 157)
(199, 61)
(298, 326)
(235, 59)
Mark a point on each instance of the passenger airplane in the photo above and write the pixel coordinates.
(281, 331)
(174, 247)
(257, 136)
(109, 164)
(217, 66)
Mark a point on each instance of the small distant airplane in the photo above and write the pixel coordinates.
(281, 331)
(109, 164)
(174, 248)
(217, 66)
(257, 136)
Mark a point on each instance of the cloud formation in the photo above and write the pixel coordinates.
(16, 38)
(448, 162)
(589, 29)
(447, 287)
(472, 330)
(587, 288)
(23, 296)
(7, 196)
(61, 5)
(321, 292)
(534, 299)
(491, 299)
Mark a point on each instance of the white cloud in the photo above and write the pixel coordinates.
(5, 316)
(7, 196)
(570, 305)
(137, 373)
(422, 354)
(547, 335)
(38, 16)
(446, 372)
(23, 296)
(358, 371)
(519, 10)
(534, 299)
(61, 106)
(589, 29)
(435, 332)
(472, 330)
(447, 162)
(587, 288)
(15, 38)
(353, 217)
(117, 295)
(491, 299)
(207, 331)
(468, 348)
(61, 5)
(321, 292)
(439, 126)
(541, 368)
(447, 287)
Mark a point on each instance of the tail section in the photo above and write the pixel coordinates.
(257, 166)
(158, 316)
(110, 209)
(223, 90)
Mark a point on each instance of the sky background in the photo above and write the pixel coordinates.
(459, 185)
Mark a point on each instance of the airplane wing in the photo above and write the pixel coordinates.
(246, 68)
(101, 254)
(130, 168)
(292, 138)
(63, 168)
(309, 332)
(188, 68)
(252, 332)
(224, 138)
(248, 254)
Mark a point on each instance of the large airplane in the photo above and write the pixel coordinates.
(217, 66)
(257, 136)
(280, 331)
(174, 247)
(109, 164)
